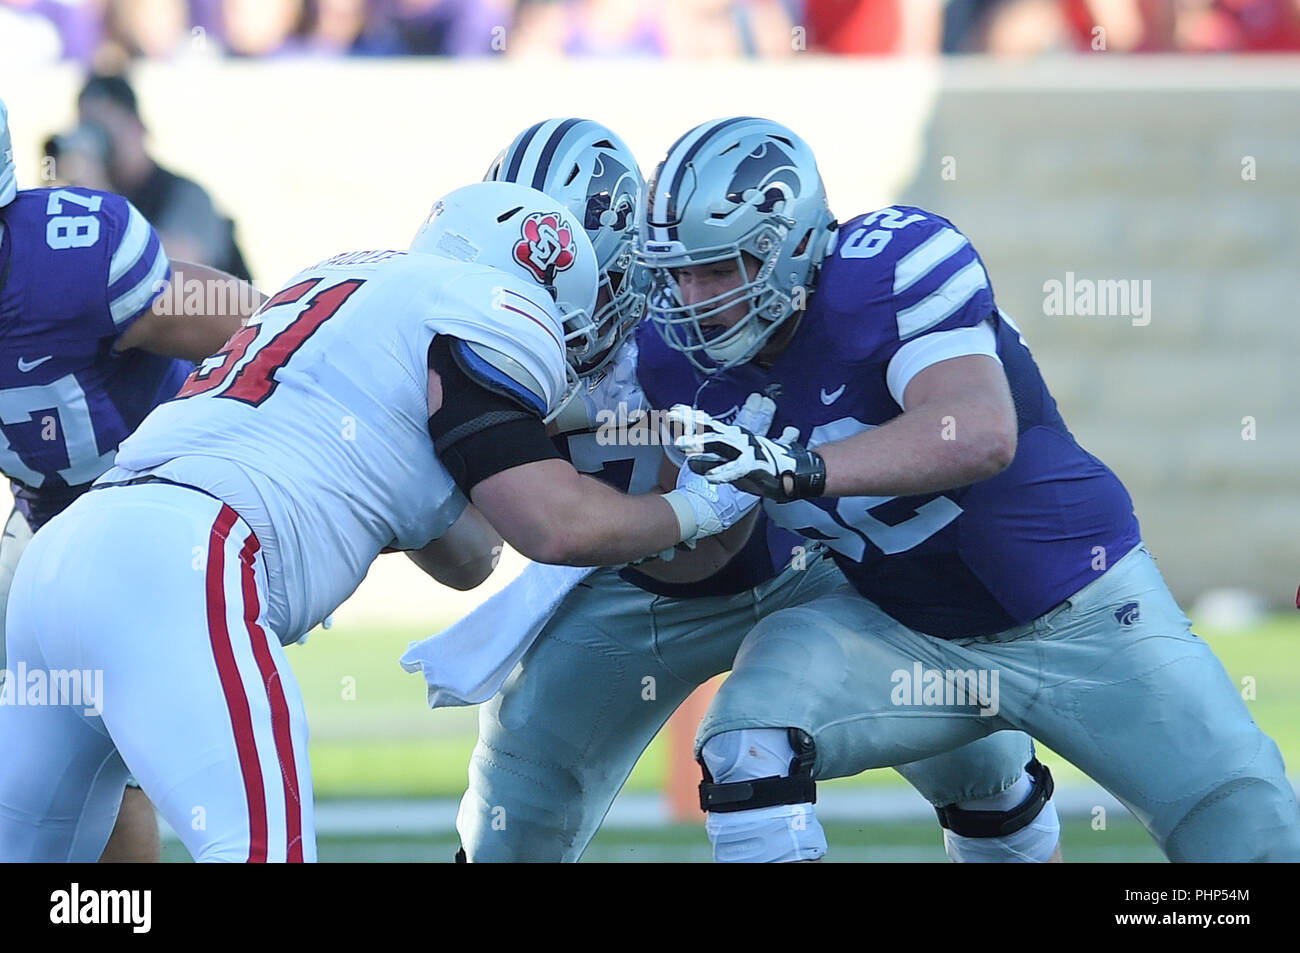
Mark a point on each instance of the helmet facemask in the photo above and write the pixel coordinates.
(684, 326)
(727, 189)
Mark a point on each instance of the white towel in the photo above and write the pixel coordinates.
(468, 662)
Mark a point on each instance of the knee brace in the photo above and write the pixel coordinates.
(759, 793)
(1018, 826)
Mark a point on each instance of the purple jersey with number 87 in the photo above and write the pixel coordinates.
(77, 268)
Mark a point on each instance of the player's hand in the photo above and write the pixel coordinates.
(717, 506)
(756, 416)
(779, 469)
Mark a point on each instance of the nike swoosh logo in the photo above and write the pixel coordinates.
(833, 396)
(26, 366)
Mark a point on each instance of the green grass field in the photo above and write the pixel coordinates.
(373, 737)
(1124, 841)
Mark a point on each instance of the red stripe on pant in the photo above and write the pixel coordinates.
(241, 719)
(279, 707)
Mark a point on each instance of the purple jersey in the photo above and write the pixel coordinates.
(77, 268)
(631, 469)
(967, 562)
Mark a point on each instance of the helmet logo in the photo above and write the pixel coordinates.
(768, 174)
(546, 246)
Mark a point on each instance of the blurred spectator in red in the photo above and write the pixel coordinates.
(873, 27)
(1120, 26)
(1246, 26)
(180, 209)
(41, 31)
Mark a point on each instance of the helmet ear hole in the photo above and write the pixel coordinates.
(803, 243)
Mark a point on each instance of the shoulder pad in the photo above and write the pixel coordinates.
(501, 374)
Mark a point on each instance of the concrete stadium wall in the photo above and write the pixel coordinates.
(1184, 174)
(1104, 167)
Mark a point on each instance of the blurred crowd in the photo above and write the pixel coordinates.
(108, 34)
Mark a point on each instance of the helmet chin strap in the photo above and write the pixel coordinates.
(736, 346)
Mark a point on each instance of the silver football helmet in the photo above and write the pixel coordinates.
(8, 174)
(586, 167)
(727, 188)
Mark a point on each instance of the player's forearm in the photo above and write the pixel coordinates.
(925, 450)
(195, 315)
(708, 557)
(601, 527)
(552, 514)
(465, 555)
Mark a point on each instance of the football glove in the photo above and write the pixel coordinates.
(779, 469)
(756, 415)
(705, 508)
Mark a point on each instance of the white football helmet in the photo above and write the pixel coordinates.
(8, 174)
(526, 233)
(584, 165)
(727, 188)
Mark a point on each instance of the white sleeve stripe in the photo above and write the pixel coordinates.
(943, 303)
(923, 259)
(915, 356)
(132, 246)
(130, 303)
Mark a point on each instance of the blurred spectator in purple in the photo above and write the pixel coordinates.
(451, 27)
(41, 31)
(730, 28)
(679, 28)
(588, 28)
(190, 227)
(349, 27)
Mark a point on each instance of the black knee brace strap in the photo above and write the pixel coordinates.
(1001, 823)
(798, 788)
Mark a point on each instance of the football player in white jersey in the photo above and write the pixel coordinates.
(353, 414)
(89, 342)
(552, 754)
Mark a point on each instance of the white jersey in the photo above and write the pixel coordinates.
(312, 422)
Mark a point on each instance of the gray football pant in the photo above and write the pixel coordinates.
(557, 743)
(17, 534)
(1112, 680)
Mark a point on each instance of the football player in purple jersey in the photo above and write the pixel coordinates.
(553, 753)
(996, 576)
(93, 335)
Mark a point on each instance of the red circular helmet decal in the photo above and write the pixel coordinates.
(546, 246)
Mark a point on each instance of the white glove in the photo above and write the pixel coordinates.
(704, 508)
(714, 506)
(779, 469)
(756, 416)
